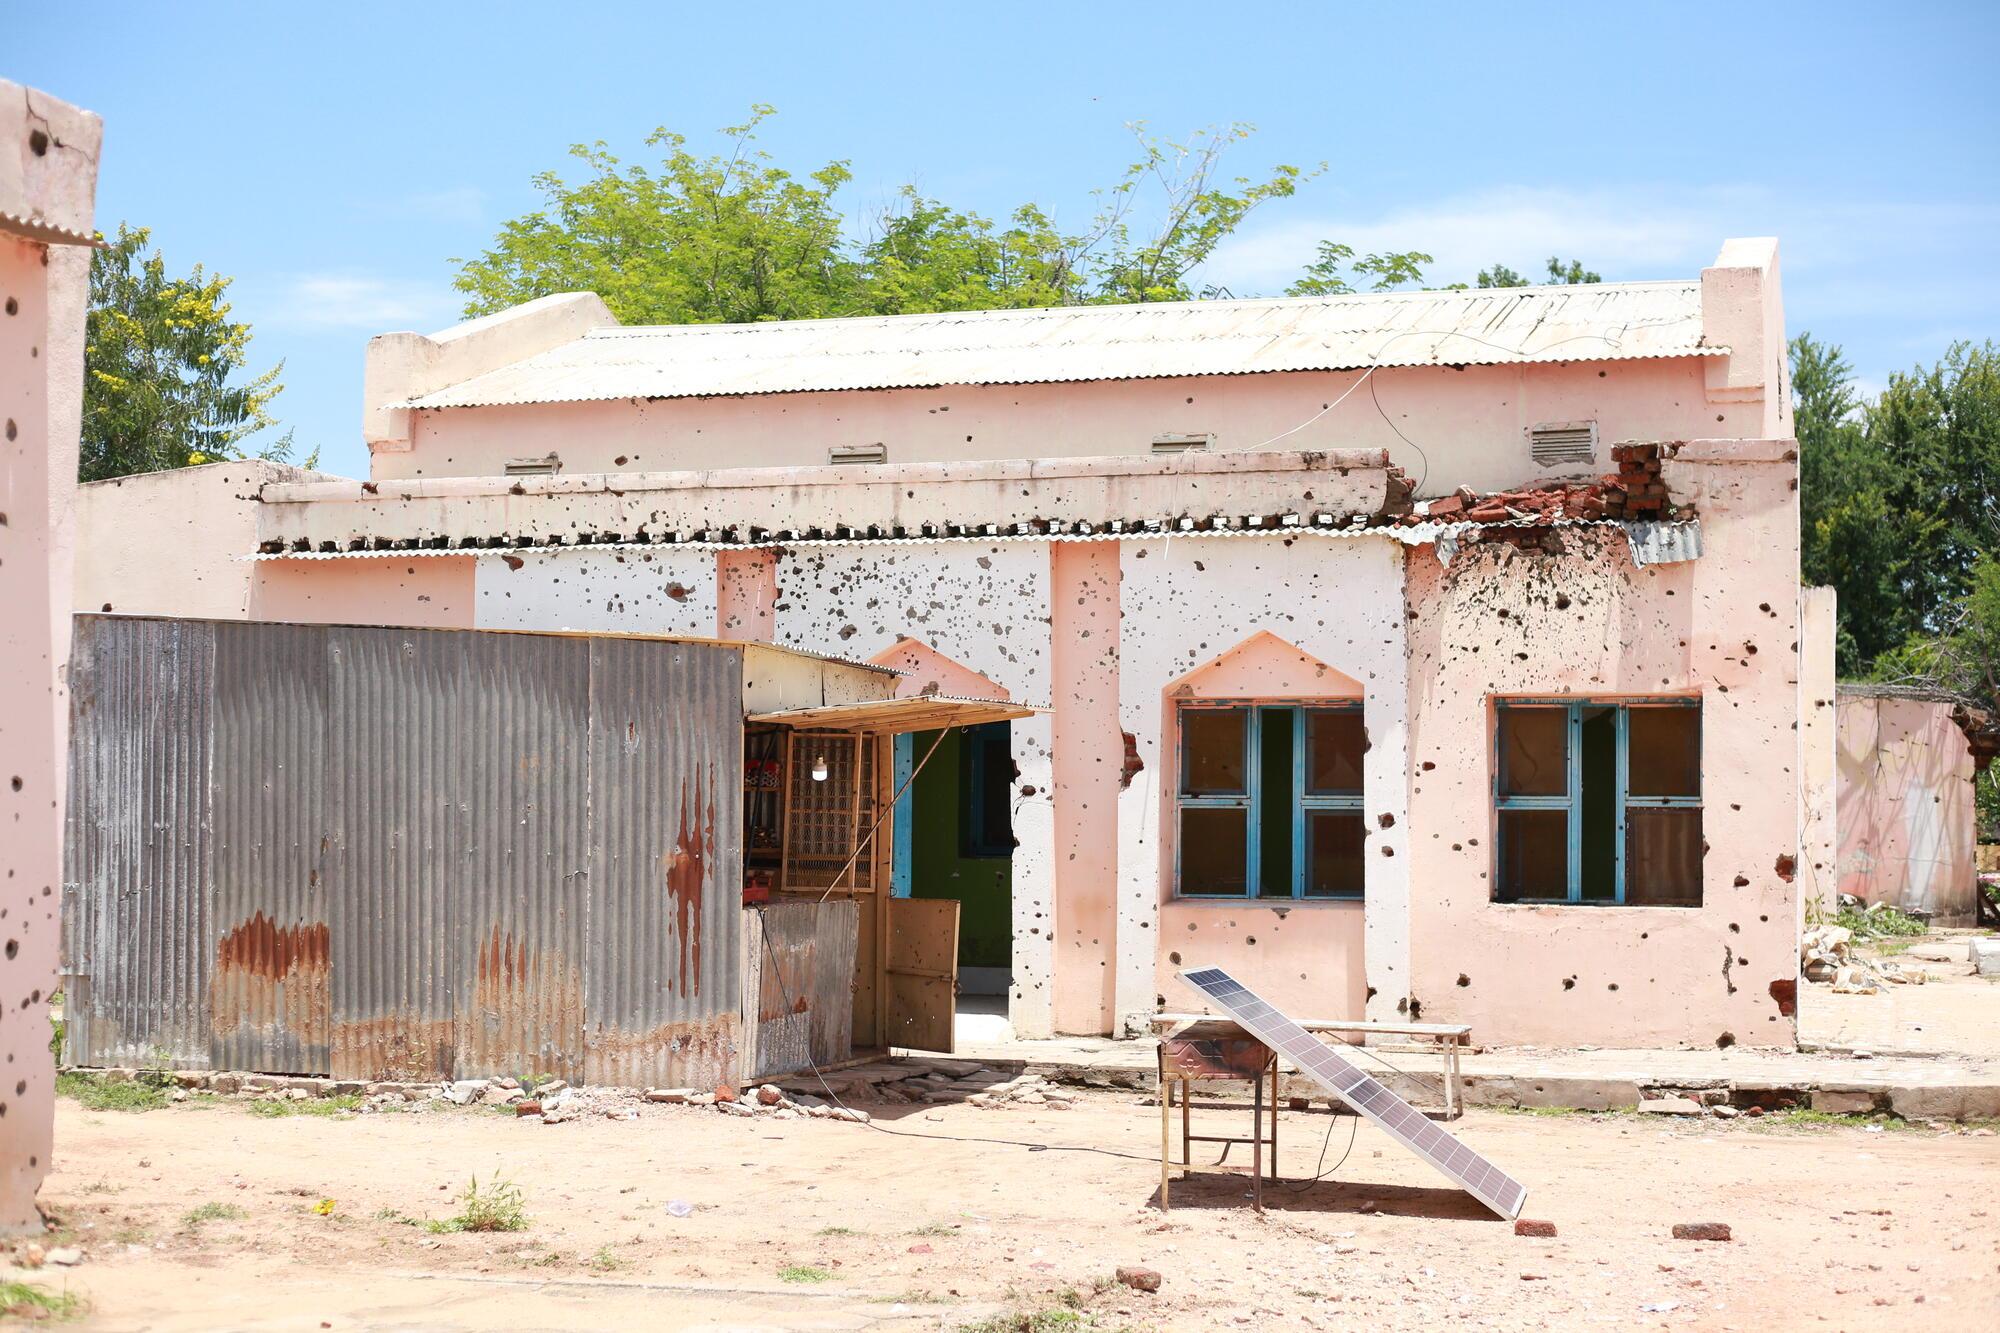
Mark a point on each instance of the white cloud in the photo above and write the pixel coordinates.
(359, 302)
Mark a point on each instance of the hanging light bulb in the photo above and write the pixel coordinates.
(819, 768)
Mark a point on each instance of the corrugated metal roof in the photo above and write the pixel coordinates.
(1596, 322)
(917, 712)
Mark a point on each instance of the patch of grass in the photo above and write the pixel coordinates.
(211, 1212)
(131, 1234)
(916, 1298)
(837, 1231)
(936, 1229)
(25, 1300)
(1027, 1321)
(1804, 1117)
(496, 1206)
(604, 1261)
(97, 1094)
(387, 1214)
(1877, 922)
(553, 1259)
(319, 1106)
(803, 1273)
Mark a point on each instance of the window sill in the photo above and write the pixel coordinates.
(1594, 906)
(1283, 904)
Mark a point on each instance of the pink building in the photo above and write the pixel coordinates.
(1321, 709)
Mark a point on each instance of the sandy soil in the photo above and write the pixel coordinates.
(1956, 1013)
(1834, 1228)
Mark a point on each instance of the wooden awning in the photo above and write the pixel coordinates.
(893, 717)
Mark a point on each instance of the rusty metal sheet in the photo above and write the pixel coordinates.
(271, 972)
(1593, 322)
(662, 987)
(798, 968)
(135, 911)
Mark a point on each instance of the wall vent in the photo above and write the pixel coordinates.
(858, 453)
(1558, 442)
(533, 467)
(1181, 444)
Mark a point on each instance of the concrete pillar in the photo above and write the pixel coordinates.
(1089, 770)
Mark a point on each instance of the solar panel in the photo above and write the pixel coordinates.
(1403, 1122)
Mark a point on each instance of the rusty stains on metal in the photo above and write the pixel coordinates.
(684, 877)
(269, 976)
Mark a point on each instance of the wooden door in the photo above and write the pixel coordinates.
(921, 971)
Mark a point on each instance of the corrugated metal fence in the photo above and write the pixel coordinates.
(403, 853)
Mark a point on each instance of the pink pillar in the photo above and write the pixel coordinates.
(1089, 764)
(48, 169)
(746, 594)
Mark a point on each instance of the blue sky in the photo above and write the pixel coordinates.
(334, 160)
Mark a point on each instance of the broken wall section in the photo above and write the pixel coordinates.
(1907, 807)
(1573, 617)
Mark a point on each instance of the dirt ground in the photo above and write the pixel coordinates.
(1835, 1227)
(1956, 1013)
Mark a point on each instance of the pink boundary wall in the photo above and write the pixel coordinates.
(1906, 806)
(48, 172)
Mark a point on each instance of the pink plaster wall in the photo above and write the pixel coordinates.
(1905, 792)
(48, 178)
(1471, 423)
(746, 594)
(1089, 764)
(434, 591)
(1499, 622)
(928, 671)
(1305, 957)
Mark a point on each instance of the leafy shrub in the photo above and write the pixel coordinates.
(98, 1094)
(496, 1206)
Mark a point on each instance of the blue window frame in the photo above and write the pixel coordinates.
(1269, 801)
(1598, 802)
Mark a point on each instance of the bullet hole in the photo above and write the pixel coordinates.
(1386, 819)
(1133, 766)
(619, 461)
(1458, 847)
(1735, 929)
(15, 783)
(1612, 986)
(1763, 918)
(679, 592)
(1787, 867)
(38, 142)
(13, 947)
(1428, 766)
(1388, 851)
(1724, 1041)
(1785, 990)
(12, 430)
(1251, 940)
(1741, 882)
(1174, 958)
(13, 306)
(1416, 1009)
(1562, 601)
(1464, 980)
(849, 631)
(1645, 934)
(1027, 790)
(1569, 983)
(1371, 993)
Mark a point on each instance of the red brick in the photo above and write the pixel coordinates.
(1701, 1231)
(1527, 1226)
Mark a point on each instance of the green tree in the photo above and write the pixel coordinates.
(1376, 273)
(734, 238)
(1561, 273)
(165, 383)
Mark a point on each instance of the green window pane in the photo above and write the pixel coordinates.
(1336, 842)
(1214, 850)
(1212, 751)
(1275, 804)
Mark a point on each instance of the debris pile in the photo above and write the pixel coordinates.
(1635, 491)
(1828, 956)
(932, 1081)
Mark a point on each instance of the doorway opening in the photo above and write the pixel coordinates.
(955, 840)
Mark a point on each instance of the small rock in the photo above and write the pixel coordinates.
(919, 1249)
(670, 1096)
(298, 1094)
(724, 1093)
(178, 1095)
(1701, 1231)
(1753, 1111)
(850, 1113)
(733, 1108)
(553, 1117)
(621, 1113)
(1724, 1112)
(33, 1255)
(768, 1095)
(527, 1108)
(1670, 1106)
(66, 1256)
(1525, 1226)
(462, 1092)
(1139, 1279)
